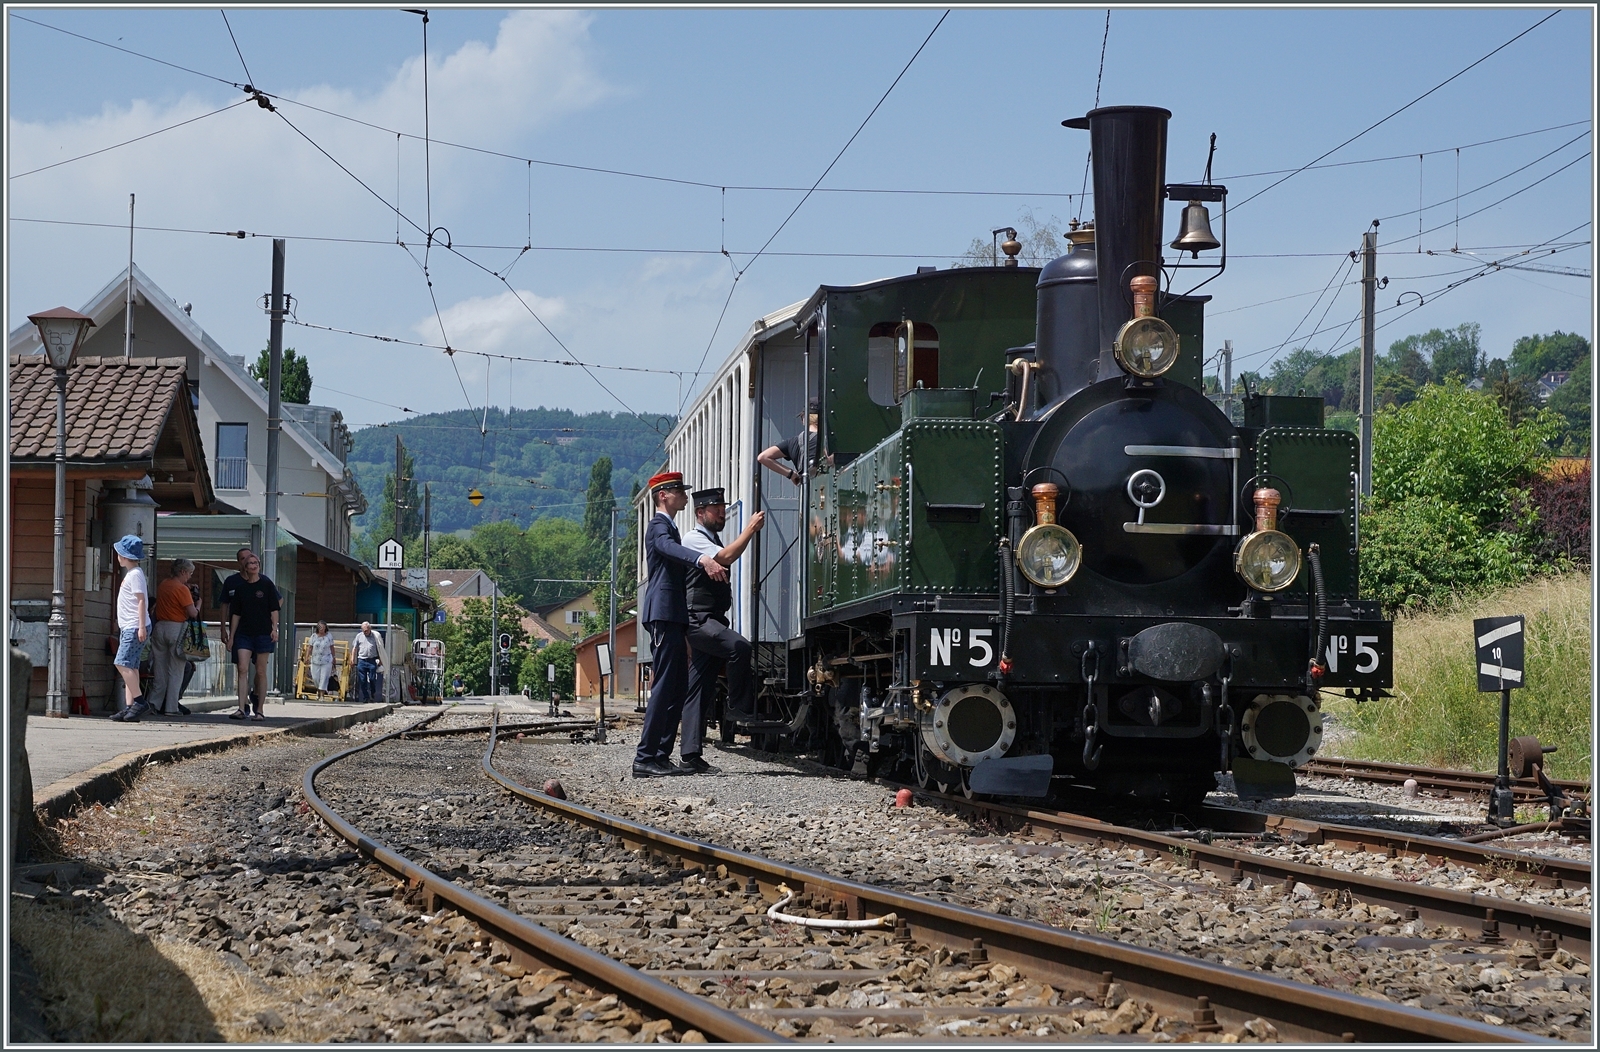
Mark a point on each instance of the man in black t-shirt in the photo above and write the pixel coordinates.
(230, 585)
(790, 449)
(253, 606)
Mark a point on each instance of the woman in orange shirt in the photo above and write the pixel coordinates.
(175, 605)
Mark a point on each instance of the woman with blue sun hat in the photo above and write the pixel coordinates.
(133, 625)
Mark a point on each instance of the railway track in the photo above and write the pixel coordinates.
(1196, 992)
(1494, 919)
(1437, 780)
(530, 943)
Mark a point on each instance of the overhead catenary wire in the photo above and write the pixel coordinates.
(741, 187)
(740, 272)
(1089, 154)
(1396, 113)
(130, 142)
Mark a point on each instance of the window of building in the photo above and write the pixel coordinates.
(233, 462)
(890, 373)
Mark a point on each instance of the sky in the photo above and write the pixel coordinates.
(623, 270)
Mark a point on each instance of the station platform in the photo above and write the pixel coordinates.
(84, 759)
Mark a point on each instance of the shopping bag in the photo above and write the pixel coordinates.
(195, 646)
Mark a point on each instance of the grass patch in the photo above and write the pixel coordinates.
(101, 982)
(1437, 716)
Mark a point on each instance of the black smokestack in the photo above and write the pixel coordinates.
(1129, 147)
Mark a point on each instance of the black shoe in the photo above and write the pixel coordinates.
(183, 710)
(697, 765)
(653, 769)
(136, 710)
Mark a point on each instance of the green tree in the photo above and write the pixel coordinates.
(1450, 513)
(1453, 446)
(1572, 401)
(381, 521)
(599, 503)
(1405, 357)
(1455, 352)
(449, 552)
(535, 672)
(1393, 389)
(1517, 398)
(628, 555)
(1289, 372)
(557, 555)
(469, 643)
(505, 556)
(1533, 356)
(296, 375)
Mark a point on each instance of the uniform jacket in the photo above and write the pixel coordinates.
(668, 562)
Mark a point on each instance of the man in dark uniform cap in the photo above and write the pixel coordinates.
(665, 614)
(711, 640)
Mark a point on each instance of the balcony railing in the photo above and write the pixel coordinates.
(233, 473)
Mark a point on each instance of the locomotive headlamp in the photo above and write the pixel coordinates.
(1048, 554)
(1268, 559)
(1145, 346)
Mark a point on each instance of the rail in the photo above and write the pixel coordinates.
(1178, 983)
(527, 941)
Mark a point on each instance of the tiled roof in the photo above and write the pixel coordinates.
(116, 407)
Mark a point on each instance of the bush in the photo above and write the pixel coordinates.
(1455, 446)
(1450, 514)
(1425, 553)
(1437, 716)
(1560, 536)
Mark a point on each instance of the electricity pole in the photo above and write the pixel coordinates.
(269, 543)
(1227, 379)
(427, 561)
(127, 317)
(494, 641)
(1369, 291)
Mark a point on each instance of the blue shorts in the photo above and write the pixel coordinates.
(254, 644)
(129, 647)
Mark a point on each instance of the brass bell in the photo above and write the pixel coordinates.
(1196, 236)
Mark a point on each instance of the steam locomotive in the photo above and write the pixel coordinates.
(1091, 578)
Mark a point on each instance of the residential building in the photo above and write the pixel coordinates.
(567, 615)
(588, 682)
(455, 587)
(133, 450)
(318, 494)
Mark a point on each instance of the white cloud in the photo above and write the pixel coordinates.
(494, 324)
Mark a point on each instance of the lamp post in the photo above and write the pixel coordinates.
(61, 331)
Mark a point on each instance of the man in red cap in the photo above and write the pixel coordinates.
(665, 613)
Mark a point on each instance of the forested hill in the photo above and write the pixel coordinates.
(531, 463)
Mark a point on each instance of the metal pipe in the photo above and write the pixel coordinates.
(127, 317)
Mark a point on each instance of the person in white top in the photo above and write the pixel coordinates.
(133, 625)
(321, 657)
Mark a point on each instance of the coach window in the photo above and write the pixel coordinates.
(889, 373)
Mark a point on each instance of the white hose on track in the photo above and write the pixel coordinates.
(885, 921)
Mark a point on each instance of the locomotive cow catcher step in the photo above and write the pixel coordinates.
(1029, 555)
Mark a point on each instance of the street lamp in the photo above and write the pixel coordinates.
(61, 331)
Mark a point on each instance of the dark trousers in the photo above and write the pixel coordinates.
(714, 645)
(669, 676)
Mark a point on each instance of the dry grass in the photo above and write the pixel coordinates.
(151, 991)
(1438, 717)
